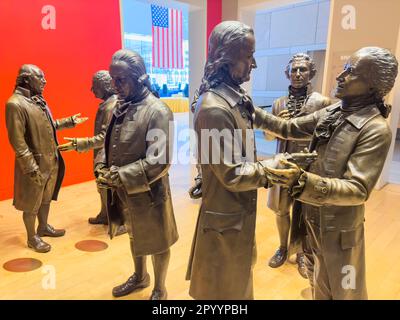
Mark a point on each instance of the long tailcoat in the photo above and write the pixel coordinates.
(223, 249)
(147, 124)
(336, 188)
(32, 135)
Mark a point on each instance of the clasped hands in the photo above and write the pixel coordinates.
(108, 177)
(290, 167)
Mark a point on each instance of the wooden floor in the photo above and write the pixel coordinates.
(83, 275)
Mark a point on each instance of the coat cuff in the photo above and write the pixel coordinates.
(315, 190)
(65, 123)
(134, 178)
(27, 164)
(82, 144)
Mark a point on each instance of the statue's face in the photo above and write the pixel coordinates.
(98, 89)
(245, 62)
(299, 74)
(36, 81)
(122, 80)
(353, 81)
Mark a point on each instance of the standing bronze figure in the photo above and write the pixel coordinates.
(102, 89)
(39, 166)
(352, 139)
(301, 100)
(134, 165)
(223, 250)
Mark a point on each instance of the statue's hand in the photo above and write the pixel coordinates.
(69, 146)
(195, 192)
(303, 158)
(101, 172)
(284, 114)
(77, 119)
(285, 176)
(37, 177)
(110, 177)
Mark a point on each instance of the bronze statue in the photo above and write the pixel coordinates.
(301, 100)
(136, 176)
(223, 249)
(39, 166)
(102, 89)
(352, 139)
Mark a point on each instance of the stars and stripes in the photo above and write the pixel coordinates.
(167, 33)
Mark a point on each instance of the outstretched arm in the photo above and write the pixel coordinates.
(301, 128)
(69, 122)
(362, 172)
(84, 144)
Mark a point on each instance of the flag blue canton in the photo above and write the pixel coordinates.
(159, 16)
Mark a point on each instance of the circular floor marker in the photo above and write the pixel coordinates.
(91, 245)
(22, 265)
(306, 294)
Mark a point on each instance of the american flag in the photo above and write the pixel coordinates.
(167, 37)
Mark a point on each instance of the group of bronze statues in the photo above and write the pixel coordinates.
(329, 157)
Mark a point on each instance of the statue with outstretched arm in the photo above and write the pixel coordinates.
(102, 89)
(39, 166)
(352, 139)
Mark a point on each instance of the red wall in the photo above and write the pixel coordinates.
(87, 33)
(214, 15)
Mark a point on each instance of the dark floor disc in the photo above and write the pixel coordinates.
(91, 245)
(22, 265)
(306, 294)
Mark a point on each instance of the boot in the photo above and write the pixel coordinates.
(301, 265)
(120, 230)
(101, 218)
(278, 258)
(132, 284)
(49, 231)
(38, 245)
(158, 295)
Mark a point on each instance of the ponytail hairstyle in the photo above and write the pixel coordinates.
(382, 74)
(224, 40)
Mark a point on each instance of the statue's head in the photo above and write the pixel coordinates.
(128, 73)
(371, 71)
(32, 78)
(230, 52)
(300, 70)
(102, 85)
